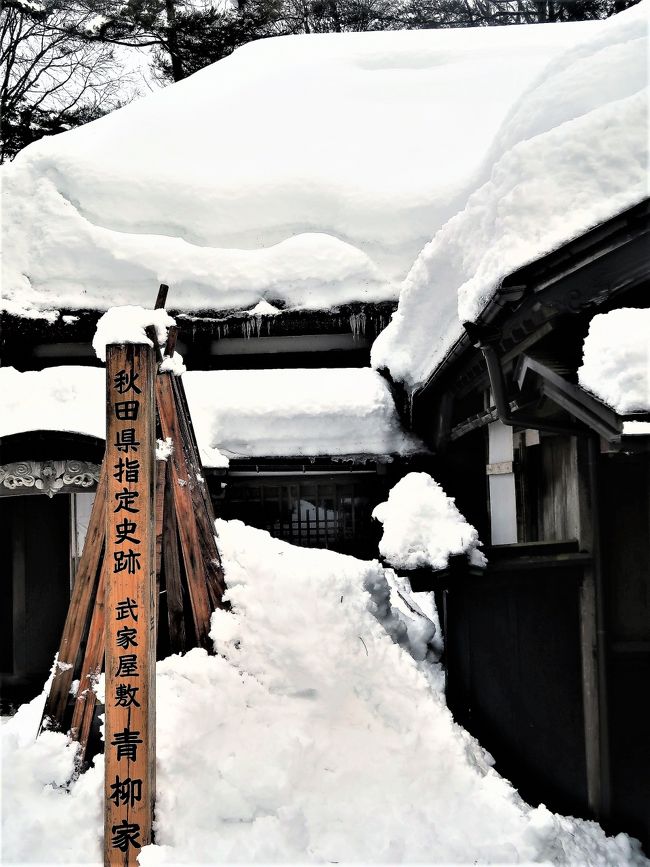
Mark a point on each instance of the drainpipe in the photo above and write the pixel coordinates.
(498, 386)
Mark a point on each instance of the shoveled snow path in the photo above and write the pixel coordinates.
(313, 735)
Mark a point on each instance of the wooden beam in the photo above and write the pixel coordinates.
(130, 645)
(182, 482)
(81, 600)
(161, 478)
(172, 569)
(170, 346)
(161, 298)
(84, 707)
(201, 497)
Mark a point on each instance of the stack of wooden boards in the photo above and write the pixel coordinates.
(189, 576)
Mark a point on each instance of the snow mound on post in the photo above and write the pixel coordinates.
(313, 736)
(616, 359)
(127, 324)
(307, 170)
(423, 527)
(572, 153)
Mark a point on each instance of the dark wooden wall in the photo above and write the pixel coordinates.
(625, 529)
(514, 677)
(35, 590)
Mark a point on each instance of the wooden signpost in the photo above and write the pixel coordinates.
(130, 606)
(151, 532)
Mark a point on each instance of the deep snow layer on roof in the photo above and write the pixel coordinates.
(616, 359)
(248, 413)
(306, 170)
(571, 154)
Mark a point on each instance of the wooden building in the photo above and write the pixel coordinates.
(548, 650)
(48, 476)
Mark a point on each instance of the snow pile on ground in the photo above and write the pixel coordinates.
(305, 170)
(127, 324)
(313, 736)
(571, 154)
(423, 527)
(616, 359)
(247, 413)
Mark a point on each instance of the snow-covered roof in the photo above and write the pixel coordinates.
(239, 413)
(616, 360)
(571, 154)
(306, 170)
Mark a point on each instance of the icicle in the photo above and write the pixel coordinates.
(358, 324)
(252, 326)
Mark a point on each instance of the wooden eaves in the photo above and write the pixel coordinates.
(588, 275)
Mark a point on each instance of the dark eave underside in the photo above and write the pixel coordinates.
(586, 274)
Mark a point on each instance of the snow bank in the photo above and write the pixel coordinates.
(44, 819)
(423, 527)
(616, 359)
(303, 170)
(313, 736)
(248, 413)
(571, 154)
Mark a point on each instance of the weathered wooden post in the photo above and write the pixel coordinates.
(130, 578)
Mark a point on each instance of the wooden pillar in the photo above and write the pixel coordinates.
(592, 636)
(130, 611)
(501, 484)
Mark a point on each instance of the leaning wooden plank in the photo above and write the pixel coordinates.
(170, 346)
(84, 706)
(79, 611)
(195, 567)
(159, 504)
(184, 412)
(161, 298)
(192, 444)
(204, 509)
(206, 534)
(172, 567)
(161, 478)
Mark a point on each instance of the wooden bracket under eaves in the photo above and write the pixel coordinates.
(189, 575)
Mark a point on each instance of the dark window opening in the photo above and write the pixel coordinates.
(35, 592)
(314, 513)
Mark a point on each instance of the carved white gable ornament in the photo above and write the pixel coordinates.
(48, 477)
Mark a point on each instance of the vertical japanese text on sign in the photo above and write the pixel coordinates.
(130, 602)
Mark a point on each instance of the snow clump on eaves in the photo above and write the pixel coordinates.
(423, 527)
(616, 359)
